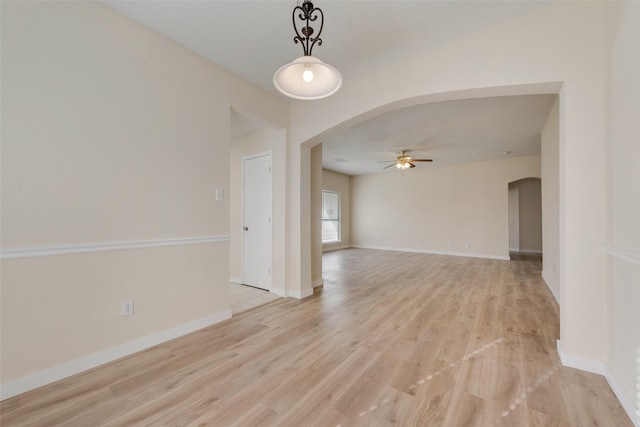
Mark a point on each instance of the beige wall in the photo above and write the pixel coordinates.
(340, 183)
(110, 133)
(94, 148)
(316, 215)
(623, 246)
(272, 141)
(551, 200)
(459, 210)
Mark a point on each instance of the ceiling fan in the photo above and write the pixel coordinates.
(404, 161)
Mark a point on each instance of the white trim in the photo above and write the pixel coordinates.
(317, 282)
(548, 283)
(424, 251)
(334, 248)
(625, 401)
(623, 254)
(304, 293)
(278, 291)
(38, 251)
(236, 280)
(258, 155)
(529, 251)
(73, 367)
(581, 363)
(600, 368)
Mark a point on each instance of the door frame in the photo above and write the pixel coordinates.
(242, 189)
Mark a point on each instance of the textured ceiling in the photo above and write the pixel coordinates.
(447, 132)
(254, 38)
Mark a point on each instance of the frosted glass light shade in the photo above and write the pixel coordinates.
(292, 81)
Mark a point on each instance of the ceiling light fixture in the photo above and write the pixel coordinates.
(307, 77)
(403, 165)
(404, 161)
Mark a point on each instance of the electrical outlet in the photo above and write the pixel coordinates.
(127, 307)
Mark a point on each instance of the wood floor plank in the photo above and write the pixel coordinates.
(391, 339)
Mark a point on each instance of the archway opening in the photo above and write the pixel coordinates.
(525, 217)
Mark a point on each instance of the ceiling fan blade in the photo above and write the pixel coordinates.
(412, 165)
(388, 161)
(392, 164)
(422, 160)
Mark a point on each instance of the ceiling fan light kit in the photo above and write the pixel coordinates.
(307, 77)
(404, 161)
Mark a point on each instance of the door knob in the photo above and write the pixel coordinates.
(245, 228)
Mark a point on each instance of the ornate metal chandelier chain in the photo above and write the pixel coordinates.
(307, 14)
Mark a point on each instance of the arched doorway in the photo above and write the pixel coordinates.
(525, 216)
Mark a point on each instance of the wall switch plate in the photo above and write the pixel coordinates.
(219, 194)
(127, 307)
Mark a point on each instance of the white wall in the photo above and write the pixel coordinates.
(110, 133)
(551, 200)
(271, 141)
(339, 183)
(623, 246)
(459, 209)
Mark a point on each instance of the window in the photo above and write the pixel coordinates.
(330, 216)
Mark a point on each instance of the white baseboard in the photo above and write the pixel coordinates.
(236, 280)
(294, 294)
(39, 379)
(317, 282)
(581, 363)
(335, 248)
(304, 293)
(278, 291)
(529, 251)
(600, 368)
(547, 281)
(625, 401)
(425, 251)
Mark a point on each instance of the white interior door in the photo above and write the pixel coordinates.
(256, 234)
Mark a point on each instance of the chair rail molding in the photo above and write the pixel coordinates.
(39, 251)
(623, 254)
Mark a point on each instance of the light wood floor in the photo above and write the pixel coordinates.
(392, 339)
(245, 297)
